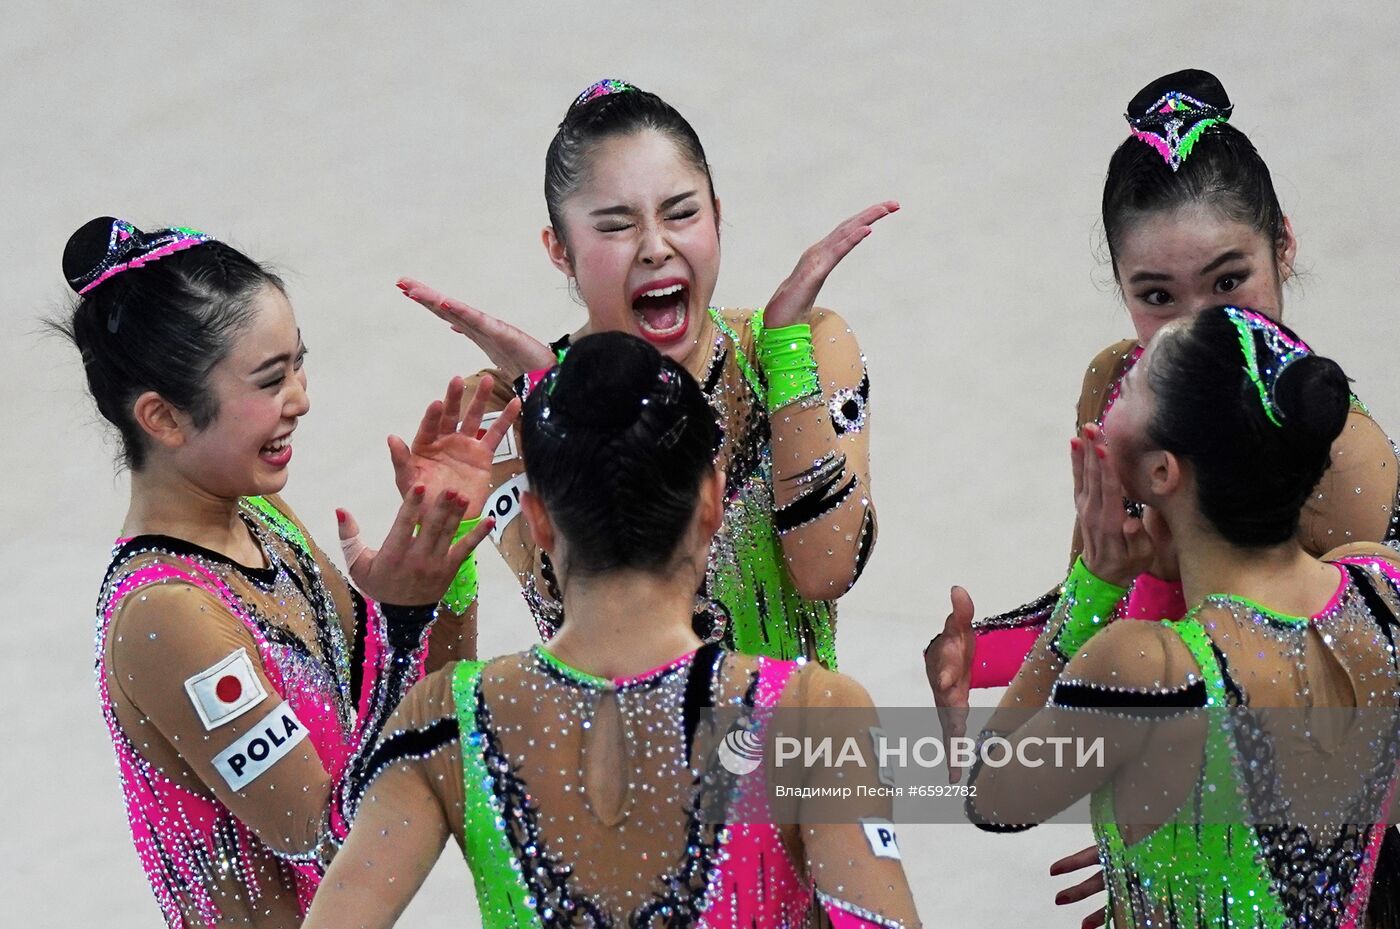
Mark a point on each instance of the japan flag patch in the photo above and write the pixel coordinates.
(226, 691)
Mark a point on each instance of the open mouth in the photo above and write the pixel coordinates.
(661, 310)
(278, 451)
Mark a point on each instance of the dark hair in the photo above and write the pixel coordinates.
(590, 120)
(616, 440)
(161, 326)
(1252, 476)
(1223, 171)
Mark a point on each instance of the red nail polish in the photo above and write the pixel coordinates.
(340, 516)
(1098, 450)
(420, 490)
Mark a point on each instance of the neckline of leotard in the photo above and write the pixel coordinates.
(574, 675)
(1287, 619)
(127, 547)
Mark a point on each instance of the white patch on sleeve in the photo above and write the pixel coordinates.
(506, 450)
(880, 834)
(226, 691)
(258, 749)
(504, 504)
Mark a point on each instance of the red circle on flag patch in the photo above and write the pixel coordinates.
(228, 689)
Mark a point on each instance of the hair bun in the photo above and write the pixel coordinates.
(1314, 397)
(89, 247)
(1192, 83)
(621, 371)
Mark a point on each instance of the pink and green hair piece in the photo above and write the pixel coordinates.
(602, 88)
(1175, 123)
(1265, 367)
(129, 247)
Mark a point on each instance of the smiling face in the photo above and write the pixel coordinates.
(1172, 264)
(641, 237)
(260, 392)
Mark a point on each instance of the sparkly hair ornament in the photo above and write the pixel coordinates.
(1268, 351)
(664, 392)
(603, 88)
(1174, 123)
(127, 247)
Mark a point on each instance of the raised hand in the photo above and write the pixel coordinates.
(1094, 884)
(413, 567)
(796, 296)
(512, 351)
(1116, 546)
(948, 665)
(450, 451)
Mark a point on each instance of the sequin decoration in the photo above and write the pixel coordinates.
(602, 89)
(129, 247)
(847, 407)
(531, 830)
(1265, 367)
(1174, 124)
(198, 856)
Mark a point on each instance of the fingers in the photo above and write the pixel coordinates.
(1084, 858)
(428, 425)
(1076, 460)
(409, 515)
(451, 407)
(1095, 919)
(497, 432)
(402, 459)
(476, 407)
(960, 620)
(357, 554)
(1110, 487)
(874, 213)
(1091, 482)
(1081, 891)
(440, 522)
(468, 543)
(460, 316)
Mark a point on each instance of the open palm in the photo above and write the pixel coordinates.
(451, 452)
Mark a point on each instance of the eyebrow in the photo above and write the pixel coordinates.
(1144, 276)
(276, 360)
(1233, 255)
(628, 211)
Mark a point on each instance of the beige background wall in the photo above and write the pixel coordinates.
(351, 144)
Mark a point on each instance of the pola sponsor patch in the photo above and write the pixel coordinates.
(258, 749)
(504, 504)
(226, 691)
(880, 834)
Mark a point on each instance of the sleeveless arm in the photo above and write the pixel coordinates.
(404, 818)
(823, 507)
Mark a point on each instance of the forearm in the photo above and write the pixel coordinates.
(818, 401)
(395, 645)
(453, 635)
(1005, 641)
(1085, 606)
